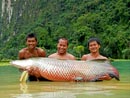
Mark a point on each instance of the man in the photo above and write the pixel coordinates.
(31, 51)
(62, 53)
(94, 46)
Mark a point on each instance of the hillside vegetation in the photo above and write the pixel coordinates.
(77, 20)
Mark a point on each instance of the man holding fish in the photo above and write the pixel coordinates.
(31, 51)
(94, 46)
(62, 53)
(66, 72)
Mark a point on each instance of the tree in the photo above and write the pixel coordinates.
(79, 50)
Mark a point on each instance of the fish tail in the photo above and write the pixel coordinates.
(24, 76)
(112, 75)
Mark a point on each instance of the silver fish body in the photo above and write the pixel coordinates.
(69, 70)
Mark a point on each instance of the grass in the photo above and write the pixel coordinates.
(4, 63)
(121, 59)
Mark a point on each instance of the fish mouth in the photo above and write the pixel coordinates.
(16, 64)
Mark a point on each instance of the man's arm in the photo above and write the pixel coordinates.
(41, 52)
(21, 54)
(83, 57)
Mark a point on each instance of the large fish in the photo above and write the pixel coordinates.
(69, 70)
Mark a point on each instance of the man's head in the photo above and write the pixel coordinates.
(62, 46)
(94, 44)
(31, 35)
(31, 41)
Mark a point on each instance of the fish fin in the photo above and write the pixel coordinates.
(78, 79)
(24, 76)
(95, 80)
(114, 76)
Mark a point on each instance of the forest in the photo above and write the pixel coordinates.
(76, 20)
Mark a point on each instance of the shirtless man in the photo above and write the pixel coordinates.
(31, 51)
(94, 46)
(62, 53)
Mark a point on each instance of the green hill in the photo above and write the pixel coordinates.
(77, 20)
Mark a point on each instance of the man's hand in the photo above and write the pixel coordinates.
(34, 71)
(105, 77)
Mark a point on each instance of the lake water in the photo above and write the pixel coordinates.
(10, 87)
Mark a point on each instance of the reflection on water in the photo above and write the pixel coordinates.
(11, 88)
(73, 90)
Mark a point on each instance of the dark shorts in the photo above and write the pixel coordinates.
(33, 78)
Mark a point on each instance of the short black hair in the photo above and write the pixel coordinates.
(94, 39)
(31, 35)
(63, 38)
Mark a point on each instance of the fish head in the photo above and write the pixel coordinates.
(24, 64)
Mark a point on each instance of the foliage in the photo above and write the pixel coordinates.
(79, 50)
(78, 20)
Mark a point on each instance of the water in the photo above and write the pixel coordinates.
(10, 87)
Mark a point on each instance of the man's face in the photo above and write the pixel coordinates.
(62, 46)
(31, 43)
(94, 47)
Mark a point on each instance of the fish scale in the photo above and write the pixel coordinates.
(69, 70)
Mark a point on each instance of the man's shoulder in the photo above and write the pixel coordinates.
(23, 50)
(39, 49)
(70, 56)
(22, 53)
(86, 55)
(41, 52)
(103, 57)
(53, 55)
